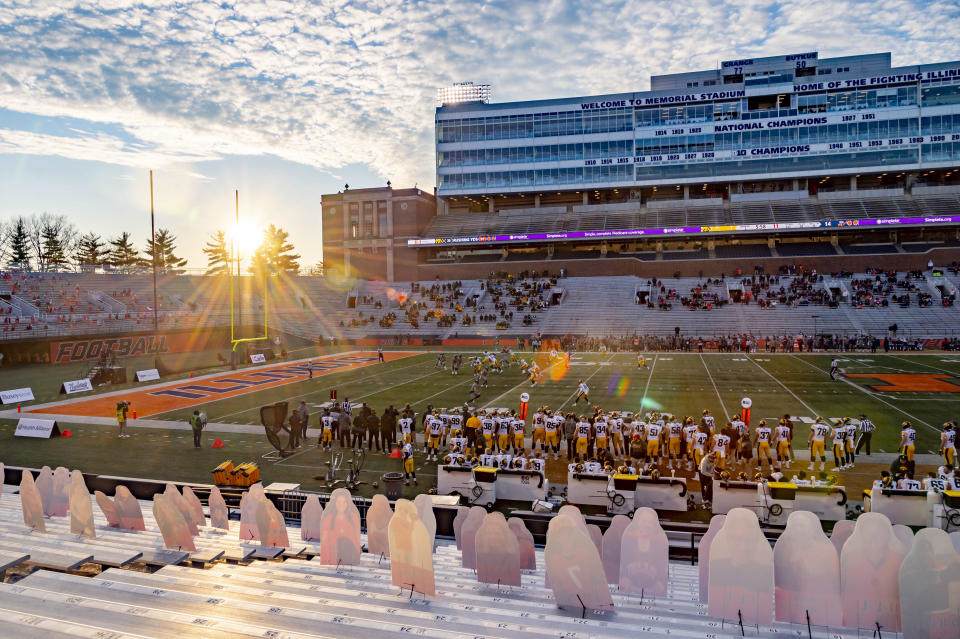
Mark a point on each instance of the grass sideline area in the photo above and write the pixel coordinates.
(926, 392)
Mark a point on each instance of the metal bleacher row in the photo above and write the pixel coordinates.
(65, 586)
(689, 213)
(605, 305)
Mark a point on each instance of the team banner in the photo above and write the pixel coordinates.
(132, 345)
(688, 230)
(39, 428)
(16, 395)
(148, 375)
(76, 386)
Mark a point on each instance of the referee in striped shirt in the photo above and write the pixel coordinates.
(866, 429)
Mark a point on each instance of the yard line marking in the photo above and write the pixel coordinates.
(936, 368)
(448, 388)
(519, 384)
(723, 406)
(647, 386)
(784, 386)
(574, 393)
(318, 390)
(874, 396)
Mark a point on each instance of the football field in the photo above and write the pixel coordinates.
(889, 388)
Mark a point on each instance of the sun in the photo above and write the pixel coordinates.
(246, 235)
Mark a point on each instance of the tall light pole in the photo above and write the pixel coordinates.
(153, 253)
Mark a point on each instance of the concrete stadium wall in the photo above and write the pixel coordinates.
(690, 268)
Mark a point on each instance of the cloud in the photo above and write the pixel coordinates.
(333, 83)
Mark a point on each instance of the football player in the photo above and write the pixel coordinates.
(675, 435)
(849, 445)
(783, 435)
(583, 392)
(600, 432)
(654, 436)
(408, 470)
(503, 431)
(434, 428)
(817, 442)
(553, 426)
(583, 437)
(326, 435)
(948, 449)
(762, 437)
(518, 428)
(539, 429)
(487, 429)
(615, 425)
(908, 440)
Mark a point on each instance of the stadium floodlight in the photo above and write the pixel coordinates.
(463, 92)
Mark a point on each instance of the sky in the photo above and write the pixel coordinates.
(288, 100)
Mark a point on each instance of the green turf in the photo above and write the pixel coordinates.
(681, 383)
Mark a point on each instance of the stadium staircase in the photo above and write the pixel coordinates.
(125, 584)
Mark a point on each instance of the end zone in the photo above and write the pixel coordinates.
(168, 396)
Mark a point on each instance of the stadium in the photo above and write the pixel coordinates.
(680, 361)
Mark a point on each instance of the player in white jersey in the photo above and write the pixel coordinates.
(839, 434)
(539, 429)
(518, 429)
(600, 433)
(536, 463)
(689, 431)
(488, 459)
(434, 432)
(908, 441)
(948, 441)
(583, 392)
(406, 428)
(817, 441)
(783, 436)
(707, 419)
(701, 439)
(721, 446)
(554, 429)
(456, 424)
(445, 419)
(654, 437)
(408, 469)
(488, 430)
(849, 443)
(582, 431)
(615, 425)
(762, 437)
(326, 434)
(503, 432)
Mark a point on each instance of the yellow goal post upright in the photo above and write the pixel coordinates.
(235, 341)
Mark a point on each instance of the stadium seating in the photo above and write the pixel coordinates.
(289, 592)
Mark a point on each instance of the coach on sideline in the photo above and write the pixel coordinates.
(388, 427)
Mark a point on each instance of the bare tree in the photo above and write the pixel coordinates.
(51, 238)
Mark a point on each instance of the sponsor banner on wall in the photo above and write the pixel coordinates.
(40, 428)
(81, 350)
(76, 386)
(16, 395)
(258, 358)
(148, 375)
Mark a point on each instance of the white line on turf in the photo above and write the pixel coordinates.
(574, 393)
(519, 384)
(784, 386)
(936, 368)
(873, 395)
(649, 377)
(717, 390)
(313, 392)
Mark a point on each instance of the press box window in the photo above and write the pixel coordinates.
(763, 102)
